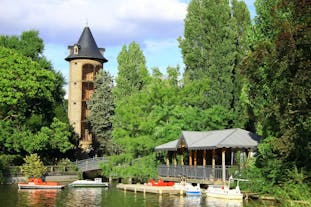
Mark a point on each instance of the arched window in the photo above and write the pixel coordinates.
(75, 49)
(88, 72)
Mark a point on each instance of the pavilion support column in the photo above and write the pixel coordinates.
(213, 158)
(223, 161)
(249, 155)
(190, 157)
(232, 157)
(168, 158)
(213, 164)
(175, 158)
(182, 157)
(204, 157)
(195, 158)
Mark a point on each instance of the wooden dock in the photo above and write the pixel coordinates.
(150, 189)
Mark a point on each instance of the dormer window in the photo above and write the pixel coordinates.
(75, 49)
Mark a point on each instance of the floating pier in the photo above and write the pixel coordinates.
(150, 189)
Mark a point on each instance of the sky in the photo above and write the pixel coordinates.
(154, 24)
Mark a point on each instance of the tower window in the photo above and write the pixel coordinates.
(75, 49)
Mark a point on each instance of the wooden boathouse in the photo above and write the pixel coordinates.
(206, 156)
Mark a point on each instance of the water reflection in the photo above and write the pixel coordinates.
(187, 201)
(37, 197)
(193, 201)
(10, 196)
(217, 202)
(79, 197)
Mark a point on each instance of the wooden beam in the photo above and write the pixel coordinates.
(182, 157)
(213, 158)
(223, 161)
(175, 158)
(190, 157)
(195, 158)
(168, 159)
(249, 155)
(204, 157)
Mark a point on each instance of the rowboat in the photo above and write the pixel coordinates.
(193, 190)
(37, 183)
(224, 192)
(160, 182)
(97, 182)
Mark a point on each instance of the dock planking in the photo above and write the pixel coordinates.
(150, 189)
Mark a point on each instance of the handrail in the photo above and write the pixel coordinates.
(90, 164)
(194, 172)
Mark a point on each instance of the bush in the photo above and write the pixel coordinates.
(33, 166)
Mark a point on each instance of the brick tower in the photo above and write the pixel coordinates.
(85, 60)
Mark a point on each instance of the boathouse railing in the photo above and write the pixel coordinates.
(192, 172)
(90, 164)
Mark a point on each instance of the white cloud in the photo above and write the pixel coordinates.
(118, 20)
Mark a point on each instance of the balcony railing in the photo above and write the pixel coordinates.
(193, 172)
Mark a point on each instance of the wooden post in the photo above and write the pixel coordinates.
(232, 156)
(250, 154)
(175, 158)
(213, 158)
(223, 160)
(190, 157)
(168, 159)
(195, 158)
(204, 157)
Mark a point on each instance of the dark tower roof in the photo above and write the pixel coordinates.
(86, 48)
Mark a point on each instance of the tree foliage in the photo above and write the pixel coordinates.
(278, 67)
(278, 71)
(101, 107)
(31, 100)
(212, 49)
(132, 70)
(33, 166)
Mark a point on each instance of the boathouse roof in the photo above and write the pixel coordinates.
(228, 138)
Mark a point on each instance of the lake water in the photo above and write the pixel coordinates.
(11, 196)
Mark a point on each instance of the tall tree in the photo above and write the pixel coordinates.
(132, 70)
(279, 69)
(31, 99)
(212, 49)
(207, 48)
(101, 107)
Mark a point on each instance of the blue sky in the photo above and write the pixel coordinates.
(154, 24)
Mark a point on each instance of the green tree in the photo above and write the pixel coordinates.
(212, 49)
(33, 166)
(101, 107)
(31, 97)
(141, 120)
(132, 70)
(25, 89)
(30, 45)
(278, 67)
(208, 46)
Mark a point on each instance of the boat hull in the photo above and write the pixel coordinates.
(193, 193)
(88, 183)
(37, 186)
(225, 196)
